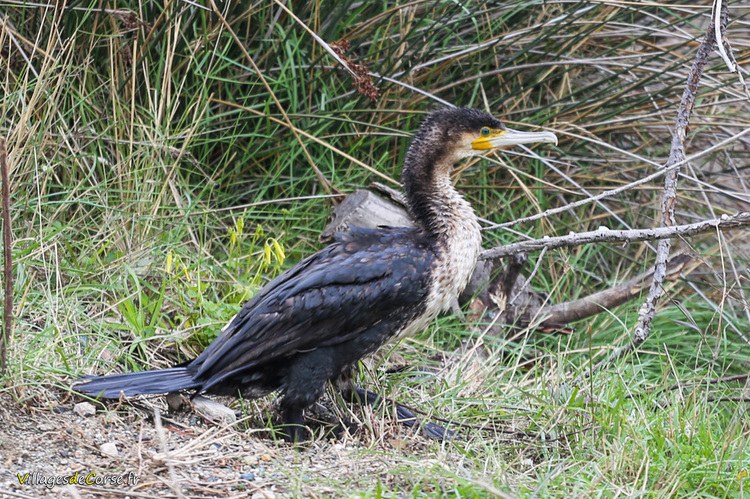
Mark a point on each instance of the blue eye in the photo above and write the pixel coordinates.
(485, 131)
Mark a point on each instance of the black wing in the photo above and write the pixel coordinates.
(365, 277)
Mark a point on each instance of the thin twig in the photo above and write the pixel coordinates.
(622, 188)
(725, 49)
(718, 13)
(173, 483)
(318, 39)
(7, 259)
(603, 234)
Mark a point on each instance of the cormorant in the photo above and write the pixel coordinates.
(313, 322)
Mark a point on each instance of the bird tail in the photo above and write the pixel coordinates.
(142, 383)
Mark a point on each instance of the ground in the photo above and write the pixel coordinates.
(203, 459)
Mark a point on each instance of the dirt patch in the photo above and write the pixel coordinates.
(119, 452)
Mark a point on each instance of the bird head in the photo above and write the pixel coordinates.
(448, 135)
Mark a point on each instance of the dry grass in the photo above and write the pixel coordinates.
(167, 160)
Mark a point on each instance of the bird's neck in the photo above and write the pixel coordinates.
(451, 225)
(438, 207)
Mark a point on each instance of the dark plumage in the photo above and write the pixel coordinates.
(314, 322)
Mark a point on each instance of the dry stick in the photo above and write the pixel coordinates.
(627, 236)
(669, 198)
(560, 314)
(318, 39)
(725, 49)
(7, 259)
(173, 483)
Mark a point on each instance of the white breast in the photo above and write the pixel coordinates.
(459, 245)
(454, 266)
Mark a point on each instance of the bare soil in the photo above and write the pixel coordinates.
(191, 457)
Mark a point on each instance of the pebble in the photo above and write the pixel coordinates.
(84, 409)
(177, 402)
(214, 411)
(247, 476)
(109, 449)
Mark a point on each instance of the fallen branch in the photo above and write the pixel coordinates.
(565, 313)
(509, 301)
(503, 292)
(601, 235)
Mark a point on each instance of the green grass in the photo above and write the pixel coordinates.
(157, 184)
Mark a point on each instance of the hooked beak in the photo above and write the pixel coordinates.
(507, 137)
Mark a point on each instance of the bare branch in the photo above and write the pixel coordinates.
(7, 259)
(602, 235)
(676, 157)
(669, 198)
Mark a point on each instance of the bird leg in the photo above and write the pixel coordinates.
(293, 427)
(404, 415)
(304, 384)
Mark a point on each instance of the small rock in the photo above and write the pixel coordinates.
(264, 494)
(247, 476)
(109, 449)
(84, 409)
(177, 402)
(214, 411)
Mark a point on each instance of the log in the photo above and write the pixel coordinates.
(364, 208)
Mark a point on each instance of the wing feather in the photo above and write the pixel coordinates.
(328, 298)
